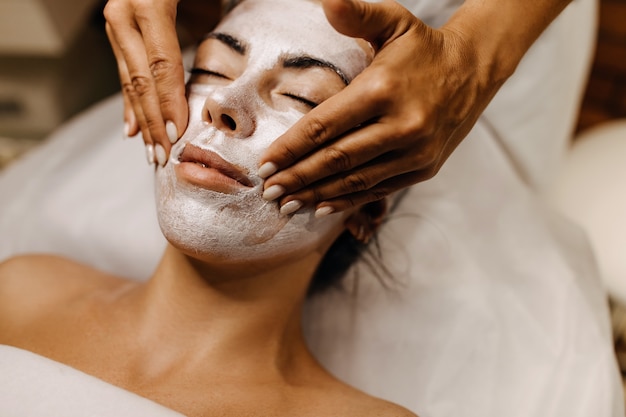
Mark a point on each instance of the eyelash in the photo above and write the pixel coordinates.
(303, 100)
(202, 71)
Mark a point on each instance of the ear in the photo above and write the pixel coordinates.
(363, 223)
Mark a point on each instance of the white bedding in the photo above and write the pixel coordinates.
(495, 308)
(24, 376)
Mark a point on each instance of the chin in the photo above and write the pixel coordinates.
(237, 229)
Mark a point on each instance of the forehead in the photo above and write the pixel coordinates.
(275, 28)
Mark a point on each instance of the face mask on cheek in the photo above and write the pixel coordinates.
(237, 227)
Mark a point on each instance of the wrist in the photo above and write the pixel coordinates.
(500, 33)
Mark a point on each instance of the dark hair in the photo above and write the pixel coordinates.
(346, 250)
(343, 253)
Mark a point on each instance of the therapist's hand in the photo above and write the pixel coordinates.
(393, 126)
(143, 37)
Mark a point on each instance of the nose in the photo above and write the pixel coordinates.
(229, 112)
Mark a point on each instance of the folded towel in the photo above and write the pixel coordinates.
(34, 386)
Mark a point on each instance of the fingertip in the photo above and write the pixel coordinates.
(150, 154)
(160, 154)
(291, 207)
(172, 131)
(267, 169)
(274, 192)
(126, 130)
(324, 211)
(131, 128)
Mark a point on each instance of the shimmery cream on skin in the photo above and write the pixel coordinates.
(243, 226)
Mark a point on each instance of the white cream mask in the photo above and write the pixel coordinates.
(239, 226)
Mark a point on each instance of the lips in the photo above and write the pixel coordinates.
(209, 170)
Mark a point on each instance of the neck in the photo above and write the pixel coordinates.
(248, 321)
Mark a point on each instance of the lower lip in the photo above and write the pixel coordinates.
(208, 178)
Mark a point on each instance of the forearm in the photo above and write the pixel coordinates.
(501, 31)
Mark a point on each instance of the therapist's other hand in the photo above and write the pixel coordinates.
(143, 37)
(393, 126)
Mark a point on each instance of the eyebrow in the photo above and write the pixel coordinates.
(233, 43)
(310, 62)
(301, 62)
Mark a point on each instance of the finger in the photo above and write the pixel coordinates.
(378, 23)
(166, 67)
(380, 191)
(346, 153)
(130, 96)
(362, 179)
(327, 121)
(141, 89)
(133, 112)
(131, 128)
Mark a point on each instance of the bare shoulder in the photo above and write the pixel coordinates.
(382, 408)
(31, 285)
(351, 402)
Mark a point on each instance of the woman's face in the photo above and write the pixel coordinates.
(267, 64)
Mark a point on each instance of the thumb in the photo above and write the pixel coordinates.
(378, 22)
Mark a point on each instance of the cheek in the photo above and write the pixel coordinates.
(196, 107)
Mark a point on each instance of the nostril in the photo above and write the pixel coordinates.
(229, 121)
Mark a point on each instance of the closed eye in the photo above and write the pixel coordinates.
(202, 71)
(303, 100)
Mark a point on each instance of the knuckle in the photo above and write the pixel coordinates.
(337, 160)
(141, 84)
(356, 182)
(168, 100)
(153, 123)
(380, 84)
(299, 178)
(431, 171)
(112, 11)
(416, 126)
(424, 159)
(317, 195)
(288, 154)
(161, 68)
(315, 131)
(379, 194)
(352, 201)
(129, 90)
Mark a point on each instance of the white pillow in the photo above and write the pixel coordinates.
(85, 194)
(495, 306)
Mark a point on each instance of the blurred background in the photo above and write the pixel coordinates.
(55, 60)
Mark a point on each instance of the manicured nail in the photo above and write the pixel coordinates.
(267, 169)
(323, 211)
(172, 131)
(150, 154)
(160, 154)
(290, 207)
(126, 130)
(273, 192)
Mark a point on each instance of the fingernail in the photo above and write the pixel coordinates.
(126, 130)
(323, 211)
(267, 169)
(273, 192)
(172, 131)
(160, 154)
(150, 154)
(290, 207)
